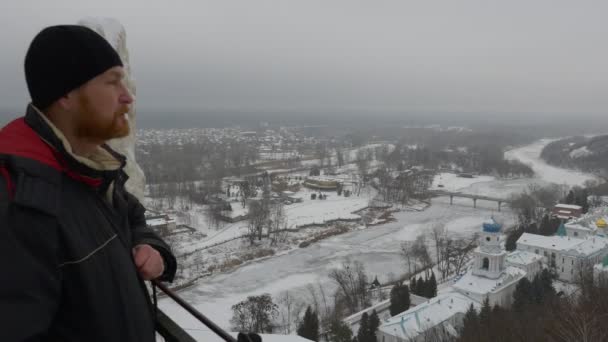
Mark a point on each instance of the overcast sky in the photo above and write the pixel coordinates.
(457, 56)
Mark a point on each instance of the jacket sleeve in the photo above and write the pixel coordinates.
(30, 288)
(142, 234)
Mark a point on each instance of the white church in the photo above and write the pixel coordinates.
(493, 275)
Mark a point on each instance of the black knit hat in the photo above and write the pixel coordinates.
(62, 58)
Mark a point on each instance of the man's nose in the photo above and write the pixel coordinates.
(126, 97)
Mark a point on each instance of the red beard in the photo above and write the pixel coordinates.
(93, 126)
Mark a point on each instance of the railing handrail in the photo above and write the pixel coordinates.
(197, 314)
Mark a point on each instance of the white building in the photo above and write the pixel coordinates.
(490, 277)
(438, 316)
(161, 224)
(600, 271)
(591, 223)
(531, 263)
(494, 275)
(566, 254)
(382, 310)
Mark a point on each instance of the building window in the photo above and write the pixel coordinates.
(536, 251)
(486, 264)
(563, 260)
(488, 239)
(575, 233)
(562, 269)
(572, 262)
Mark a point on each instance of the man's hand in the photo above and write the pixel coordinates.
(148, 261)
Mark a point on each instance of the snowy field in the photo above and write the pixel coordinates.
(298, 214)
(378, 248)
(451, 182)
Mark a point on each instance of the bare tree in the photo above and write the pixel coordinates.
(258, 219)
(255, 314)
(247, 190)
(441, 240)
(340, 157)
(277, 223)
(352, 285)
(408, 257)
(214, 215)
(362, 162)
(458, 251)
(322, 153)
(288, 310)
(421, 253)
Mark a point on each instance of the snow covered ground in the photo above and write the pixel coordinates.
(451, 182)
(530, 154)
(333, 208)
(298, 214)
(378, 248)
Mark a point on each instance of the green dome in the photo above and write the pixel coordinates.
(561, 231)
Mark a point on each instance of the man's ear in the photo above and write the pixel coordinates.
(68, 101)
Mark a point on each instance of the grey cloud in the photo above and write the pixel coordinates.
(519, 56)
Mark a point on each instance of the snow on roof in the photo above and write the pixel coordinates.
(579, 227)
(409, 324)
(592, 218)
(158, 222)
(592, 245)
(522, 258)
(482, 285)
(237, 211)
(569, 206)
(548, 242)
(586, 246)
(357, 316)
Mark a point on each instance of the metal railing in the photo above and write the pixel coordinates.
(172, 332)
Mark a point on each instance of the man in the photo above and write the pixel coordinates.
(74, 246)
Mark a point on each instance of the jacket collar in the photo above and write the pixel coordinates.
(35, 137)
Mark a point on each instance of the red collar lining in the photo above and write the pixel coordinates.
(19, 139)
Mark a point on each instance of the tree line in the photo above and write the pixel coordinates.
(539, 313)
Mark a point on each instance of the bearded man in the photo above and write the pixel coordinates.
(74, 246)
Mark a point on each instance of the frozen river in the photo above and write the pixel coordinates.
(376, 247)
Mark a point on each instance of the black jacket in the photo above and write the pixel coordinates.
(65, 250)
